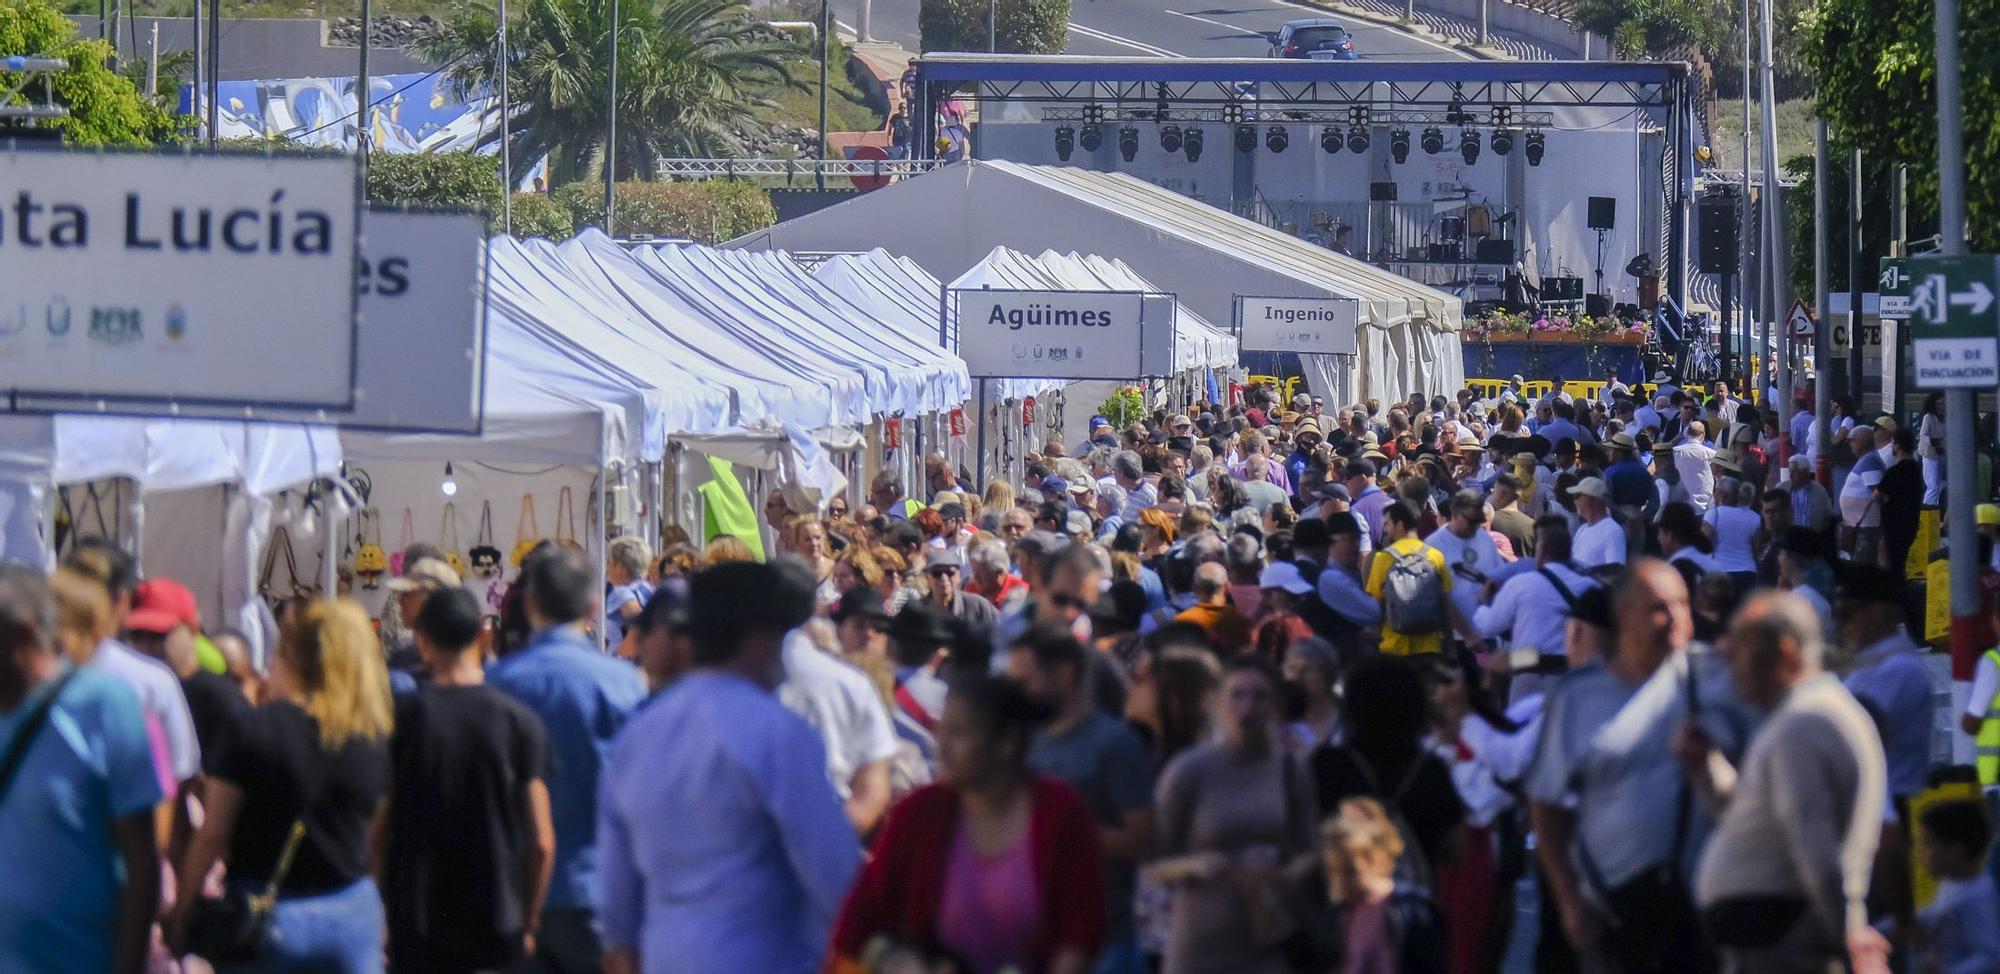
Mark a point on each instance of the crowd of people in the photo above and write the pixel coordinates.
(1264, 687)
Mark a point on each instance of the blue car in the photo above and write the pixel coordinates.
(1318, 39)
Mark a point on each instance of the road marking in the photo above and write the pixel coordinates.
(1110, 38)
(838, 24)
(1321, 12)
(1218, 23)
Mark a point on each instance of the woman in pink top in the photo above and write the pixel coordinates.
(994, 867)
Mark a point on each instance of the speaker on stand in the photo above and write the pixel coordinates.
(1602, 217)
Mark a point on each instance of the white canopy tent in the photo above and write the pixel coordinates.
(199, 510)
(951, 218)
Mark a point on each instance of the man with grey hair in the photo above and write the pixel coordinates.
(625, 561)
(1130, 473)
(1812, 508)
(886, 493)
(1257, 486)
(1228, 629)
(1111, 505)
(992, 577)
(1860, 512)
(1784, 878)
(76, 826)
(1199, 460)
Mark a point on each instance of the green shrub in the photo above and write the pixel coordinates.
(536, 215)
(708, 212)
(1020, 26)
(454, 179)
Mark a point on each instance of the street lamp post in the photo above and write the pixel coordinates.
(825, 45)
(506, 153)
(1960, 419)
(611, 131)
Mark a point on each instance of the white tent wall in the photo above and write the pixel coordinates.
(952, 218)
(185, 536)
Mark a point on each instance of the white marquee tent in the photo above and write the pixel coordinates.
(949, 219)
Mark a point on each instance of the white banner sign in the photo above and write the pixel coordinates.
(422, 330)
(149, 280)
(1322, 325)
(1057, 334)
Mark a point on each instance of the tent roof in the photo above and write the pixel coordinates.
(949, 219)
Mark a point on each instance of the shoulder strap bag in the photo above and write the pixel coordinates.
(231, 928)
(566, 520)
(17, 748)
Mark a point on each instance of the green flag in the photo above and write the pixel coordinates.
(726, 509)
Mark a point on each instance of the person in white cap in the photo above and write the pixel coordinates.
(1278, 622)
(1600, 541)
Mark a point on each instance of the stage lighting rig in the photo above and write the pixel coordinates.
(1191, 143)
(1399, 145)
(1433, 140)
(1128, 141)
(1275, 138)
(1065, 142)
(1357, 139)
(1468, 146)
(1170, 138)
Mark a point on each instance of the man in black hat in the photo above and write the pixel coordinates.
(945, 570)
(725, 766)
(919, 637)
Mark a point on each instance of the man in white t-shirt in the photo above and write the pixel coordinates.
(1692, 457)
(1859, 509)
(1468, 549)
(1601, 540)
(841, 704)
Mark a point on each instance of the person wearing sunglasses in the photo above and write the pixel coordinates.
(1068, 581)
(837, 510)
(945, 571)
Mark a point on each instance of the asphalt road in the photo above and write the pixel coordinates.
(1177, 28)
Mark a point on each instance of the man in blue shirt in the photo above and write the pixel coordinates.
(76, 812)
(1632, 491)
(1888, 674)
(724, 846)
(583, 697)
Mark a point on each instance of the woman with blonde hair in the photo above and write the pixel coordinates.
(83, 614)
(998, 501)
(725, 548)
(291, 799)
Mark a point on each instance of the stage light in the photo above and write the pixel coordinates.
(1329, 139)
(1191, 143)
(1128, 141)
(1503, 141)
(1433, 140)
(1357, 139)
(1246, 138)
(1275, 139)
(1232, 112)
(1532, 147)
(1170, 138)
(1091, 137)
(1399, 145)
(1468, 146)
(1065, 142)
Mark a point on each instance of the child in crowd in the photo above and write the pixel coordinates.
(1959, 933)
(1359, 920)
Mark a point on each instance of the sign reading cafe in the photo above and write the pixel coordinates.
(1051, 334)
(1322, 325)
(137, 278)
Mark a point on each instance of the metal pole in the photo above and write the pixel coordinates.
(197, 92)
(506, 151)
(1855, 276)
(1822, 336)
(1482, 22)
(153, 61)
(1773, 217)
(215, 68)
(992, 26)
(1744, 249)
(863, 32)
(825, 44)
(611, 131)
(364, 96)
(980, 464)
(1960, 419)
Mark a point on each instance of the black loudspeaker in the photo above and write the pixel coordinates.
(1381, 192)
(1717, 246)
(1603, 213)
(1496, 251)
(1597, 305)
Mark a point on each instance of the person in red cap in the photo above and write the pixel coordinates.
(163, 624)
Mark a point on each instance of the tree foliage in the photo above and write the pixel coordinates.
(709, 212)
(1637, 28)
(105, 108)
(684, 71)
(1875, 67)
(1019, 26)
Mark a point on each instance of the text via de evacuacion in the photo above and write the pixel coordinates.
(150, 225)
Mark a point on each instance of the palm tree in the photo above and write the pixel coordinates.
(686, 69)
